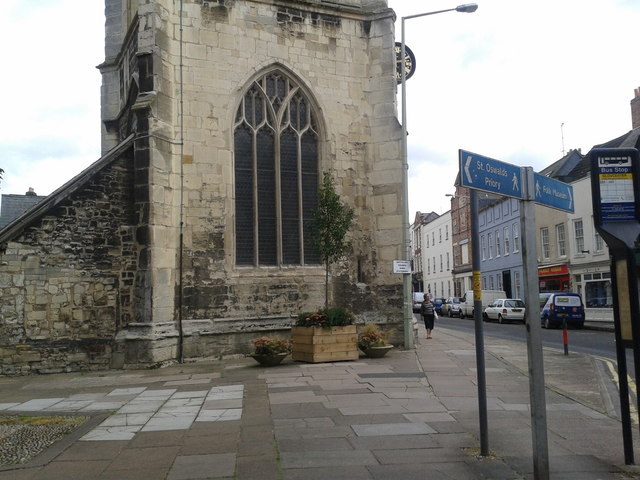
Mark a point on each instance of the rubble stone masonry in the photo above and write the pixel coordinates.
(65, 282)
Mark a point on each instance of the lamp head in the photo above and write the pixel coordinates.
(467, 8)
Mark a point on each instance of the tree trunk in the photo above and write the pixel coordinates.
(326, 286)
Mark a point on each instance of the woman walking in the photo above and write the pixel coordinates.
(428, 315)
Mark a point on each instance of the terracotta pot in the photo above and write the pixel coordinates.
(270, 360)
(377, 352)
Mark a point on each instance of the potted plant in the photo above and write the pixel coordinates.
(373, 341)
(269, 351)
(328, 335)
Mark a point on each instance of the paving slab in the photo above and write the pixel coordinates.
(413, 414)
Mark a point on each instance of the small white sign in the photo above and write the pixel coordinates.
(401, 266)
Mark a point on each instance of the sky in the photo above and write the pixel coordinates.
(518, 81)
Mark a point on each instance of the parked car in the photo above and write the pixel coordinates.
(437, 304)
(488, 297)
(451, 307)
(418, 298)
(561, 307)
(544, 296)
(505, 310)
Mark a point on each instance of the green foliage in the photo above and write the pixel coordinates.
(271, 346)
(371, 336)
(326, 318)
(332, 220)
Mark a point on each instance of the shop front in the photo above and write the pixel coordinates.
(554, 278)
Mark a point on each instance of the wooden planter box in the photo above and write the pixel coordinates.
(315, 344)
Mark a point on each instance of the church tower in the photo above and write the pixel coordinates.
(234, 109)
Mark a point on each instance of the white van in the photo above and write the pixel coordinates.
(418, 298)
(488, 297)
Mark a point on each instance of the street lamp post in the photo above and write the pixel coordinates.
(408, 310)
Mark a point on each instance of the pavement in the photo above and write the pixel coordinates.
(410, 415)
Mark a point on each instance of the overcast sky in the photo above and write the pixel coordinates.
(499, 82)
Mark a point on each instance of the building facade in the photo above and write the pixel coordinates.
(461, 241)
(437, 258)
(500, 246)
(192, 233)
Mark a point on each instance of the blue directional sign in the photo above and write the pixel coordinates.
(489, 175)
(552, 193)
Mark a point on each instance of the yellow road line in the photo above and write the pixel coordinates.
(632, 389)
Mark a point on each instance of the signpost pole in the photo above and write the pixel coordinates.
(534, 343)
(477, 316)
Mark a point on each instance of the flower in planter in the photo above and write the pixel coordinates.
(271, 346)
(326, 318)
(372, 336)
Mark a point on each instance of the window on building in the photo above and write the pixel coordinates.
(440, 235)
(517, 292)
(454, 226)
(560, 238)
(505, 232)
(448, 265)
(498, 246)
(578, 232)
(490, 244)
(483, 247)
(516, 238)
(276, 173)
(440, 262)
(446, 232)
(544, 242)
(428, 266)
(491, 284)
(598, 243)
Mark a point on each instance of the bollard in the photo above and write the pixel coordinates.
(565, 337)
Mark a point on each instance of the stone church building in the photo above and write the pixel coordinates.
(190, 235)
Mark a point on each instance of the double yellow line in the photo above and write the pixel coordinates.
(633, 391)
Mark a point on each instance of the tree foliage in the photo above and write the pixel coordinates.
(332, 221)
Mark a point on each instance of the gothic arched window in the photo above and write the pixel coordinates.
(276, 173)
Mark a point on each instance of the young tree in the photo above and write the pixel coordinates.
(332, 220)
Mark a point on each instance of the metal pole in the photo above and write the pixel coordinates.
(623, 380)
(477, 316)
(534, 343)
(406, 245)
(634, 300)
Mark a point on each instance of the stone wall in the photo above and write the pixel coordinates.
(342, 54)
(66, 281)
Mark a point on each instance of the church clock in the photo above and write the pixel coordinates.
(409, 62)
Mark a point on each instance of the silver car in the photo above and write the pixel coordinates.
(451, 307)
(505, 310)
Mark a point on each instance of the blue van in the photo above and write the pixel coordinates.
(561, 307)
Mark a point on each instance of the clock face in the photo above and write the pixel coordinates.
(409, 62)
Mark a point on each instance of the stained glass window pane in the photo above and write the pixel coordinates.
(267, 246)
(244, 196)
(289, 195)
(309, 164)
